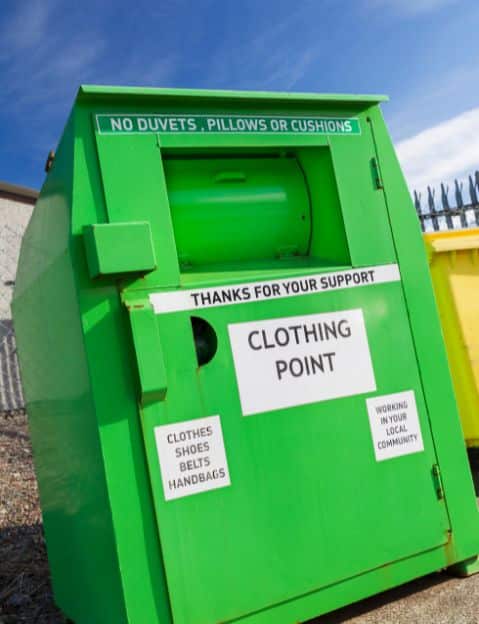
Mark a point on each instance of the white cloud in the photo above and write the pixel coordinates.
(446, 151)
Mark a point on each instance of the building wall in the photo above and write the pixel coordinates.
(15, 213)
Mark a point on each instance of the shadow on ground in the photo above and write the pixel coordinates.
(25, 592)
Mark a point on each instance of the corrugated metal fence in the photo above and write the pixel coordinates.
(13, 220)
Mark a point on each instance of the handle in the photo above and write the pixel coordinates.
(230, 176)
(149, 353)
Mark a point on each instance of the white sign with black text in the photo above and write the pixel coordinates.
(192, 457)
(394, 425)
(249, 292)
(301, 359)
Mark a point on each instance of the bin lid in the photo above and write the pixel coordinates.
(91, 91)
(453, 240)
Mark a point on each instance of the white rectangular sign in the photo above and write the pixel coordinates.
(192, 457)
(394, 425)
(194, 299)
(301, 359)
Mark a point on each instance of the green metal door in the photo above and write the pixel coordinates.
(308, 504)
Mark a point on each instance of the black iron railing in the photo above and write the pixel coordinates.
(439, 214)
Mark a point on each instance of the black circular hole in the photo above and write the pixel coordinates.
(206, 341)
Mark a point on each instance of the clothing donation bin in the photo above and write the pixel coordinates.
(239, 397)
(453, 259)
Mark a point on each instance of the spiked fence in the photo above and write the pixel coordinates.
(440, 214)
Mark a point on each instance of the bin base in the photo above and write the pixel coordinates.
(465, 568)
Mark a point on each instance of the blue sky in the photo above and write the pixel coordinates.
(422, 53)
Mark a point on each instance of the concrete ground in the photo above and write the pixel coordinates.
(434, 599)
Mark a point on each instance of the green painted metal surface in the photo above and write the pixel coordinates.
(119, 248)
(215, 202)
(260, 424)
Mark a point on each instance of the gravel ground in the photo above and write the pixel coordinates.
(25, 592)
(433, 599)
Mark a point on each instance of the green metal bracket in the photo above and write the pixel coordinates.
(119, 248)
(149, 353)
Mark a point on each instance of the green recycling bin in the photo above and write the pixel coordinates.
(238, 393)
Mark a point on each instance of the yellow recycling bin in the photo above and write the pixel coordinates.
(454, 263)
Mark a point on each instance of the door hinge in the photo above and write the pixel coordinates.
(436, 475)
(378, 182)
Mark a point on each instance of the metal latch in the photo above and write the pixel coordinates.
(378, 182)
(436, 475)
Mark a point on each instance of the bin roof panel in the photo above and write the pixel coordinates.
(88, 91)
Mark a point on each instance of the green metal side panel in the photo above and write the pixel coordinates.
(68, 459)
